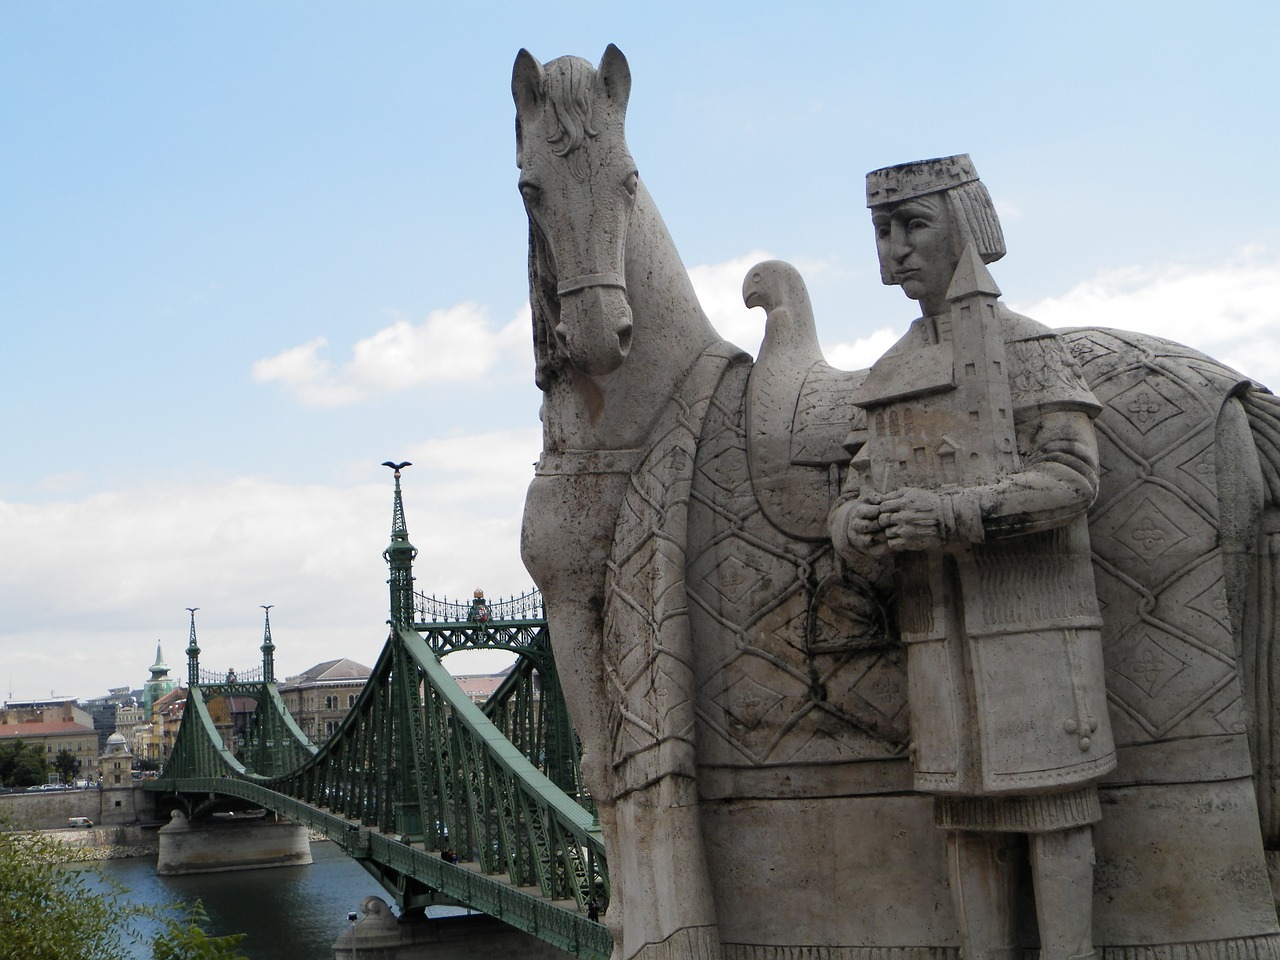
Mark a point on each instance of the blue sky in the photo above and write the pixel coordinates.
(248, 251)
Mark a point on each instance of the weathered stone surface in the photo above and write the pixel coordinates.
(1048, 629)
(243, 843)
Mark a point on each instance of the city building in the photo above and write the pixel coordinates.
(480, 686)
(124, 709)
(153, 740)
(119, 800)
(106, 712)
(129, 717)
(117, 762)
(319, 698)
(231, 716)
(52, 726)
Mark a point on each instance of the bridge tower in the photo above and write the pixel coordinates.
(410, 743)
(193, 652)
(400, 555)
(268, 648)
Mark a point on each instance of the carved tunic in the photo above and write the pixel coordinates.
(1001, 623)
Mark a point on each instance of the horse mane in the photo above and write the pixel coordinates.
(571, 83)
(568, 84)
(544, 304)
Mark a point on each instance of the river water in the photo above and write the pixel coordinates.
(289, 913)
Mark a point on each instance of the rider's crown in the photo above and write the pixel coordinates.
(906, 180)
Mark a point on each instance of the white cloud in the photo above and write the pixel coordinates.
(719, 289)
(1007, 209)
(450, 346)
(64, 483)
(864, 351)
(303, 371)
(89, 586)
(1229, 310)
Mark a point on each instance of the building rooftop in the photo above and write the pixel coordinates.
(479, 686)
(42, 728)
(170, 699)
(38, 704)
(328, 672)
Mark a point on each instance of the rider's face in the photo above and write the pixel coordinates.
(916, 243)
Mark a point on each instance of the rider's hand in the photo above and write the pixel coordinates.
(911, 519)
(855, 527)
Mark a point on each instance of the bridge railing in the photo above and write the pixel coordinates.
(527, 606)
(213, 677)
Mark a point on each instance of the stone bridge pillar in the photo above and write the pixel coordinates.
(380, 935)
(230, 843)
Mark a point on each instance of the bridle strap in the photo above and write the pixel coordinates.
(574, 284)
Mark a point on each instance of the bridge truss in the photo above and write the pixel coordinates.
(417, 769)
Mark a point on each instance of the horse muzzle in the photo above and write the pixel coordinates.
(595, 327)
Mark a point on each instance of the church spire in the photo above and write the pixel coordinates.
(399, 556)
(159, 668)
(158, 684)
(268, 648)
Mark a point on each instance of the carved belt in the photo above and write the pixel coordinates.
(577, 462)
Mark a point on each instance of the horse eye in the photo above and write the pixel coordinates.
(531, 192)
(632, 183)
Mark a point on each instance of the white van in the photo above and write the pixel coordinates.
(79, 822)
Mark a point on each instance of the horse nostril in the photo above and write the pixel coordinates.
(562, 335)
(624, 339)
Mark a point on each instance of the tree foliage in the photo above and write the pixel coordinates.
(49, 910)
(186, 939)
(67, 765)
(22, 764)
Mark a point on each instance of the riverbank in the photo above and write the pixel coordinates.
(51, 809)
(104, 843)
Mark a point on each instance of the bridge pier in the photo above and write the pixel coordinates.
(230, 843)
(380, 935)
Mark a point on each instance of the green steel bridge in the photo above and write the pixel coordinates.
(417, 768)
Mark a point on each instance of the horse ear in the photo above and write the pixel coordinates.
(527, 81)
(615, 74)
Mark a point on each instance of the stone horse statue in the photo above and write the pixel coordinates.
(739, 689)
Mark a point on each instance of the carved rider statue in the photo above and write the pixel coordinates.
(974, 471)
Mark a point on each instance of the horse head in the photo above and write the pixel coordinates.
(579, 186)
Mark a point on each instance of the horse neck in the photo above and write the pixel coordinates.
(670, 331)
(665, 310)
